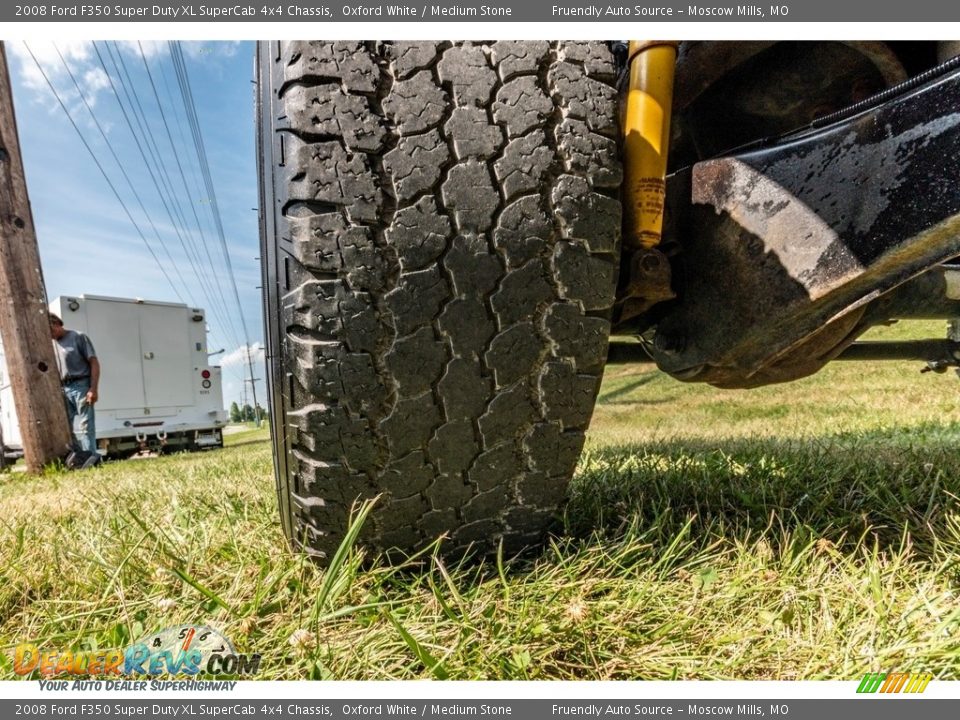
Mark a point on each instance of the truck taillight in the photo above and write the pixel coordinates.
(205, 374)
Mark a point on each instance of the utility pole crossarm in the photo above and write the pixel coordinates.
(24, 325)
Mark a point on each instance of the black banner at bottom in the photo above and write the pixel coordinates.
(878, 707)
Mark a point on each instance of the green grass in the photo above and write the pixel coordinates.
(803, 531)
(249, 433)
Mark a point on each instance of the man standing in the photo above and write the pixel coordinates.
(80, 373)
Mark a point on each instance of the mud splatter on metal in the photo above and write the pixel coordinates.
(780, 242)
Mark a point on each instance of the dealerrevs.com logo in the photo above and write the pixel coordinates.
(178, 650)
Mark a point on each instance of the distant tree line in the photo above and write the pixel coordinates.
(245, 413)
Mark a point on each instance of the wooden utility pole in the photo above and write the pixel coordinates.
(24, 327)
(253, 388)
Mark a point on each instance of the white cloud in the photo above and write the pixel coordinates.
(206, 50)
(150, 48)
(238, 357)
(236, 387)
(30, 75)
(45, 52)
(95, 80)
(82, 61)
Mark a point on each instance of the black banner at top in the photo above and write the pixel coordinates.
(563, 11)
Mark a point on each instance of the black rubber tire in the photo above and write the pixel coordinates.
(441, 232)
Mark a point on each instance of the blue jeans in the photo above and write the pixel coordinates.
(75, 394)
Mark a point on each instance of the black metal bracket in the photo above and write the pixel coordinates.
(784, 247)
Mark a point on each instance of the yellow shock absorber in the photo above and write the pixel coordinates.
(647, 139)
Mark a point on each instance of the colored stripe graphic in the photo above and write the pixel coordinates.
(919, 683)
(894, 682)
(871, 682)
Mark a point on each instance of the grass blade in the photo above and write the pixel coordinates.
(202, 589)
(333, 583)
(423, 655)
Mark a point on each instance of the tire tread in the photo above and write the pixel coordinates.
(448, 229)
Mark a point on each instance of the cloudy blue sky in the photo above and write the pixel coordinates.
(88, 244)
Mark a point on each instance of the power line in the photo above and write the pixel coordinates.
(123, 171)
(181, 137)
(164, 189)
(183, 77)
(100, 167)
(219, 311)
(183, 177)
(163, 185)
(139, 145)
(149, 149)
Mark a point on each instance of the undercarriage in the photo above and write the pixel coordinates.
(791, 223)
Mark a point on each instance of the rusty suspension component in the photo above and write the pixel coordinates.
(935, 294)
(786, 247)
(936, 353)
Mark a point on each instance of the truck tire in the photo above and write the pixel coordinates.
(440, 230)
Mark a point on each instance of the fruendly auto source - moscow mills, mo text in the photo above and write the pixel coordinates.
(606, 12)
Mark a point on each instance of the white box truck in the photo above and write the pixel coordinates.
(157, 388)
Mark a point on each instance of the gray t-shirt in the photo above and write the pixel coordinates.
(74, 351)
